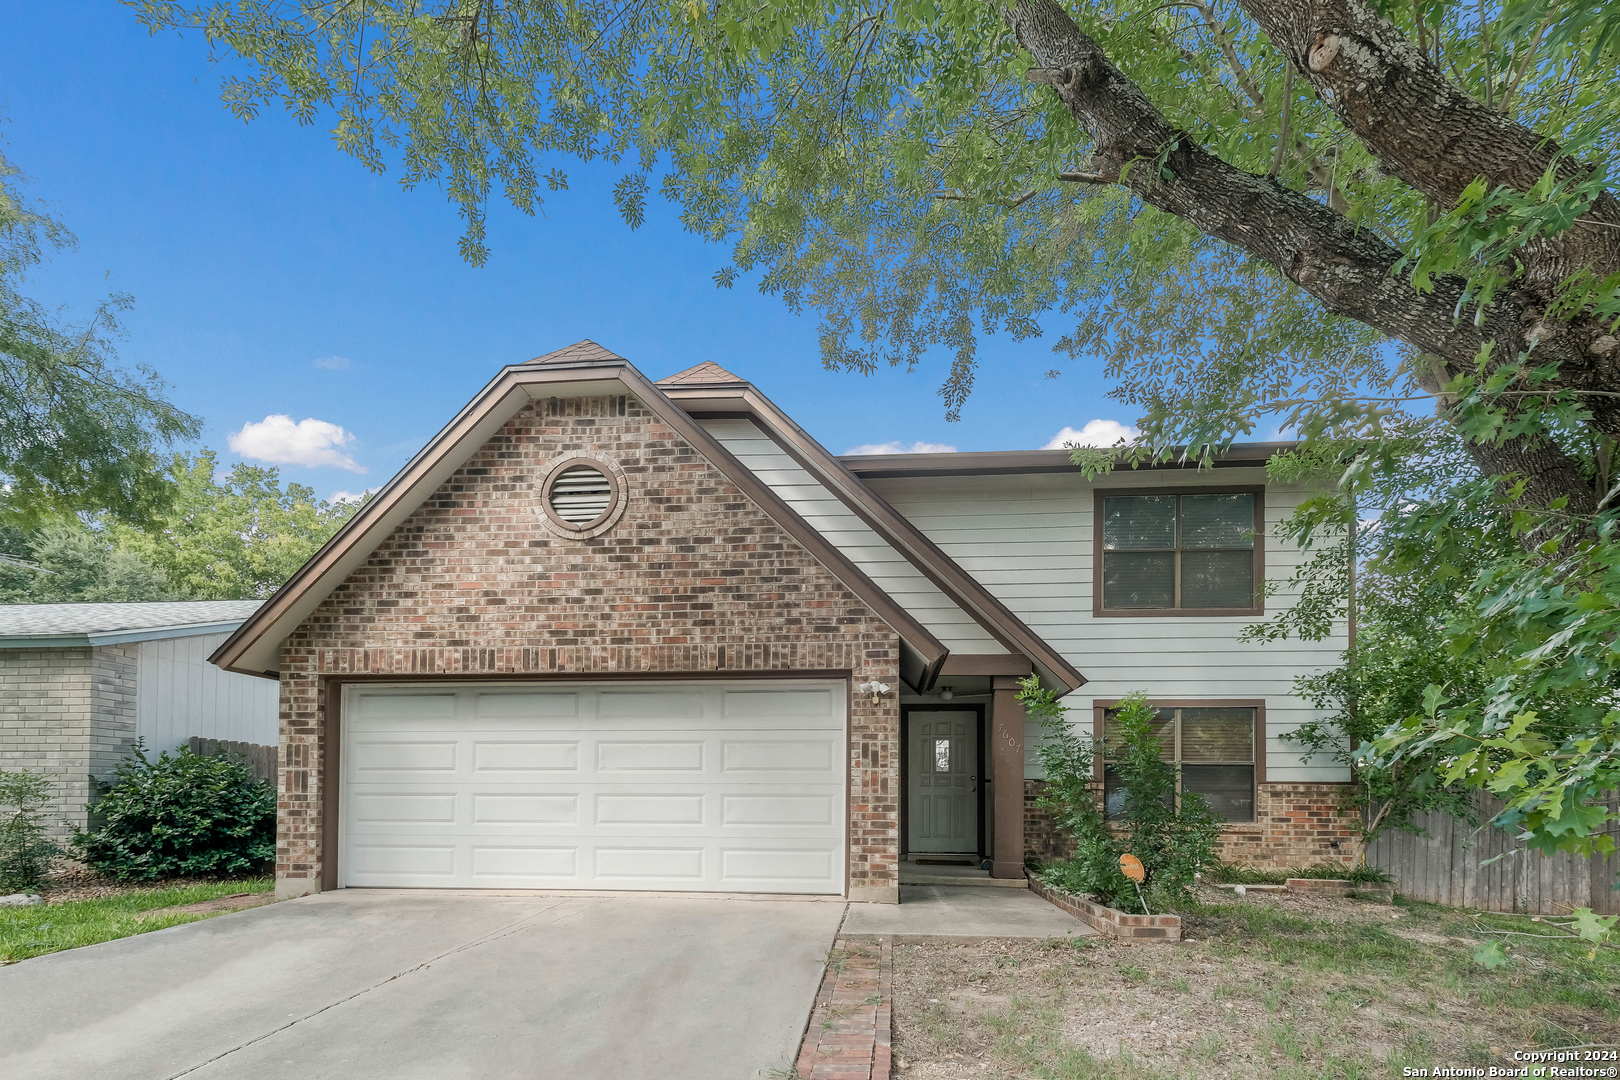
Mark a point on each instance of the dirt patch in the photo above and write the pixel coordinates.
(233, 902)
(70, 880)
(1301, 987)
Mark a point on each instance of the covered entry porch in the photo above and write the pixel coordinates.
(962, 775)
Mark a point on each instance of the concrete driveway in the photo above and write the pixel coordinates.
(383, 983)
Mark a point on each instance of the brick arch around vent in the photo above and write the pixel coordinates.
(695, 580)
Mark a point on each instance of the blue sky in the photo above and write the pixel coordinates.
(255, 251)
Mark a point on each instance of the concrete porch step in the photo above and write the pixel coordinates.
(912, 873)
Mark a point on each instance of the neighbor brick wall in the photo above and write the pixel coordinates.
(45, 697)
(112, 707)
(1295, 825)
(694, 579)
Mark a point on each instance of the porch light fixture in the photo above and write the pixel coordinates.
(945, 693)
(875, 688)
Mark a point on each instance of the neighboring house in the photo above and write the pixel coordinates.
(606, 633)
(79, 683)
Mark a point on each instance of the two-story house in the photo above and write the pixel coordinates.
(608, 633)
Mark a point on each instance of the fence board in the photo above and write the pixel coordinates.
(261, 758)
(1448, 866)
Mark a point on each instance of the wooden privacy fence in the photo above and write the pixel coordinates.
(1445, 867)
(261, 758)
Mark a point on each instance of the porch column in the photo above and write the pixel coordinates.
(1007, 788)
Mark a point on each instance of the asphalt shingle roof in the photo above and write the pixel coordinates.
(65, 620)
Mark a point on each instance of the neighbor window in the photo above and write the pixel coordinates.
(1212, 748)
(1178, 552)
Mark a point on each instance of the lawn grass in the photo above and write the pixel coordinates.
(33, 931)
(1267, 987)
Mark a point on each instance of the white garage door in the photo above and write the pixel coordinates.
(705, 787)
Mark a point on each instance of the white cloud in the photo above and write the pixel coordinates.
(349, 496)
(332, 363)
(1095, 433)
(310, 442)
(898, 447)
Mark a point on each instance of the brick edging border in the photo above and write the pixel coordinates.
(1110, 921)
(849, 1034)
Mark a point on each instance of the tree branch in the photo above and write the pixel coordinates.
(1346, 267)
(1424, 128)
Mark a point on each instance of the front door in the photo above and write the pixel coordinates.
(943, 783)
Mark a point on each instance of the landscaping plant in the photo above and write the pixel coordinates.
(1175, 837)
(26, 850)
(186, 815)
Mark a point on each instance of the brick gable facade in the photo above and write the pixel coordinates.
(694, 580)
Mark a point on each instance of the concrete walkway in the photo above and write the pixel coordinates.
(957, 914)
(402, 984)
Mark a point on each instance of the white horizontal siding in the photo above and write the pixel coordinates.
(888, 568)
(178, 694)
(1028, 540)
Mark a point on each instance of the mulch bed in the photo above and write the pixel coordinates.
(70, 880)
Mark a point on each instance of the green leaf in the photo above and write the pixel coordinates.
(1490, 955)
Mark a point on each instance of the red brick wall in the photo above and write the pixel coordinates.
(1295, 825)
(694, 579)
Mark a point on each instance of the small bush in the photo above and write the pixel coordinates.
(1225, 873)
(1361, 875)
(26, 850)
(1175, 840)
(186, 815)
(1221, 873)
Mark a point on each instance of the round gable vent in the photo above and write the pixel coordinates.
(581, 496)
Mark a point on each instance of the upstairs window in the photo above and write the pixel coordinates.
(1194, 553)
(1212, 748)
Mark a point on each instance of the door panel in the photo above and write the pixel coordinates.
(942, 782)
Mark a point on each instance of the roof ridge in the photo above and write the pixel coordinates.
(706, 372)
(583, 350)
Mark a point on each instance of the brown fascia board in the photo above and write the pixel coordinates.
(744, 399)
(253, 649)
(1008, 462)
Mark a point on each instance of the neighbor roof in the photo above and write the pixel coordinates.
(66, 625)
(584, 368)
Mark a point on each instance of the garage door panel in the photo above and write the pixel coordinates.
(525, 809)
(524, 756)
(689, 787)
(774, 809)
(647, 864)
(526, 705)
(651, 707)
(646, 756)
(417, 758)
(777, 704)
(404, 808)
(788, 753)
(745, 866)
(391, 860)
(407, 707)
(535, 864)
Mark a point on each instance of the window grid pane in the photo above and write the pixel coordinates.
(1190, 552)
(1212, 748)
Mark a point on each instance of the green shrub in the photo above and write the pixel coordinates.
(186, 815)
(1175, 839)
(1221, 873)
(26, 849)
